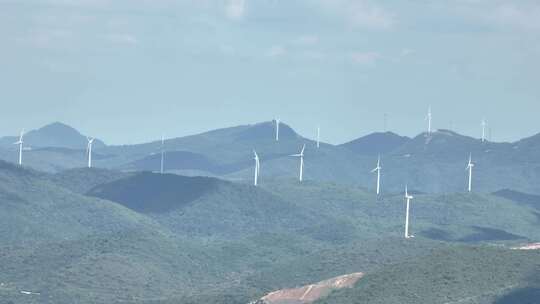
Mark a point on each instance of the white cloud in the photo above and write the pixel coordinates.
(361, 13)
(365, 58)
(47, 38)
(370, 16)
(276, 51)
(517, 15)
(406, 52)
(524, 17)
(307, 40)
(126, 39)
(313, 55)
(235, 9)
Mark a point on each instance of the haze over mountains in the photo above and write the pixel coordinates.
(432, 163)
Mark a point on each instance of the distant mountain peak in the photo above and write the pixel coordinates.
(55, 135)
(376, 143)
(57, 128)
(267, 129)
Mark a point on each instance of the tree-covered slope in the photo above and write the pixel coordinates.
(455, 274)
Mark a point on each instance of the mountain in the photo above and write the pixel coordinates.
(225, 147)
(82, 180)
(55, 135)
(102, 236)
(455, 274)
(456, 217)
(203, 206)
(429, 164)
(376, 143)
(35, 209)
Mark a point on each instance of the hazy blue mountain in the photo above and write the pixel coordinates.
(376, 143)
(57, 135)
(431, 164)
(179, 160)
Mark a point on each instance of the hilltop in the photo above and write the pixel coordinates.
(54, 135)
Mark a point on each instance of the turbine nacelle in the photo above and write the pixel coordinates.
(21, 137)
(301, 154)
(407, 195)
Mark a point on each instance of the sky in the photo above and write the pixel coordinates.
(127, 71)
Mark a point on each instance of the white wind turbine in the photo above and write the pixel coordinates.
(428, 118)
(162, 153)
(257, 168)
(469, 167)
(301, 155)
(277, 129)
(484, 124)
(378, 170)
(89, 150)
(408, 198)
(20, 142)
(318, 137)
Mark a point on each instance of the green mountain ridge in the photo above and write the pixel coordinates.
(216, 241)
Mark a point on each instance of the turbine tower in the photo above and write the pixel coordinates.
(89, 150)
(469, 167)
(277, 129)
(318, 137)
(301, 155)
(484, 124)
(428, 118)
(20, 143)
(162, 153)
(378, 170)
(257, 168)
(408, 198)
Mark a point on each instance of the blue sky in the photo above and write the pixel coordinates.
(129, 70)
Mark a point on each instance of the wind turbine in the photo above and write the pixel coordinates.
(162, 153)
(408, 198)
(378, 170)
(257, 168)
(428, 118)
(277, 129)
(318, 137)
(89, 150)
(20, 143)
(484, 123)
(301, 155)
(469, 167)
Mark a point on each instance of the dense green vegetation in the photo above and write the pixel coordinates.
(101, 236)
(456, 274)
